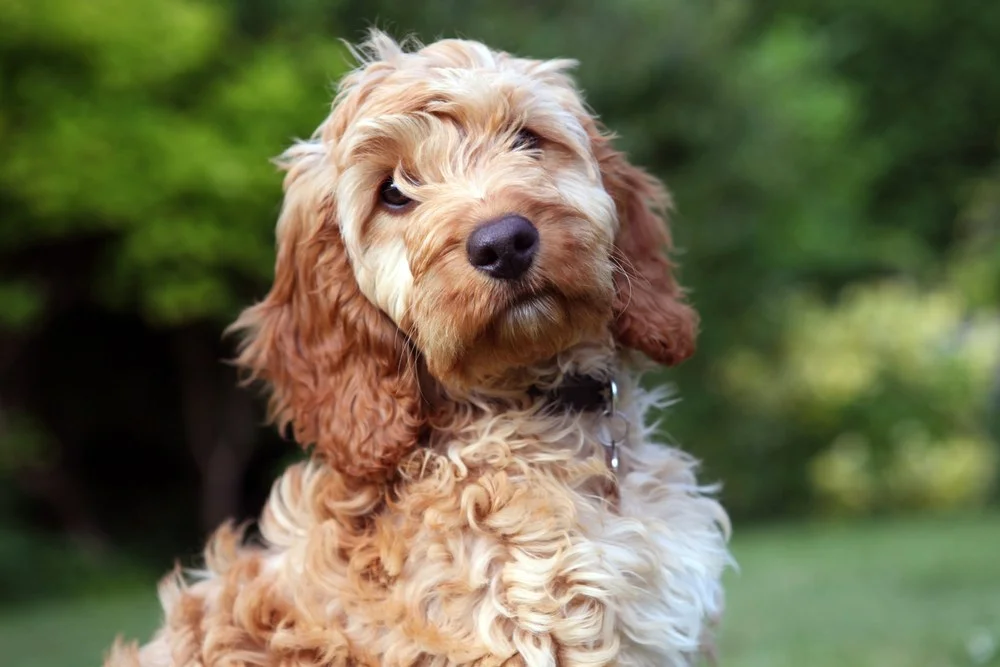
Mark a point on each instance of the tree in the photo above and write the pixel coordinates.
(135, 179)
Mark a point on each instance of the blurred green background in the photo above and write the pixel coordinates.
(836, 166)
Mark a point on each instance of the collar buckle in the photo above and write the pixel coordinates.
(617, 427)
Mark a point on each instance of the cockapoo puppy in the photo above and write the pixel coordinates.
(469, 280)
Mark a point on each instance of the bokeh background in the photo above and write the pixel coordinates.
(836, 166)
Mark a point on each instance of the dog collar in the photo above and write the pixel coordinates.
(586, 393)
(580, 393)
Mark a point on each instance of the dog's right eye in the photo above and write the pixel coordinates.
(527, 140)
(391, 196)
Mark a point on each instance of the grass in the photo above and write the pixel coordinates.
(886, 594)
(915, 593)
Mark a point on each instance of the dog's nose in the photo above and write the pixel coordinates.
(503, 248)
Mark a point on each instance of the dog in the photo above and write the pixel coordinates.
(470, 281)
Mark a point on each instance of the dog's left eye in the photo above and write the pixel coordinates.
(526, 140)
(392, 196)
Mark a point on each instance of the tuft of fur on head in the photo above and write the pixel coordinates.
(371, 306)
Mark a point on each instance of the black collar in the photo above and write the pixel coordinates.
(578, 393)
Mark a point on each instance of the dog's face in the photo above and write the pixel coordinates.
(459, 208)
(472, 207)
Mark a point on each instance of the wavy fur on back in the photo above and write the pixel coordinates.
(448, 515)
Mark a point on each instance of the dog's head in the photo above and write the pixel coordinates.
(459, 211)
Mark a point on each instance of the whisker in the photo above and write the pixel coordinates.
(409, 356)
(628, 281)
(629, 270)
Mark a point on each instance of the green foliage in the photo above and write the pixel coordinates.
(23, 442)
(34, 566)
(975, 261)
(150, 125)
(21, 303)
(888, 388)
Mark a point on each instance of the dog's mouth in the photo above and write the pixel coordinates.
(532, 305)
(528, 307)
(526, 327)
(528, 298)
(515, 324)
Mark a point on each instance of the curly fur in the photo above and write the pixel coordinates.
(446, 516)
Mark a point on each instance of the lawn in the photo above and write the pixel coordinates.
(916, 593)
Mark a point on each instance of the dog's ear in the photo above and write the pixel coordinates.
(650, 312)
(337, 366)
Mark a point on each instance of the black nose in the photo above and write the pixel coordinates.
(503, 248)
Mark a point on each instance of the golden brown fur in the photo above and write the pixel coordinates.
(446, 517)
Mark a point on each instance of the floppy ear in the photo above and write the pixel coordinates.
(650, 313)
(336, 365)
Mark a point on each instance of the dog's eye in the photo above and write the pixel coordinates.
(391, 196)
(526, 140)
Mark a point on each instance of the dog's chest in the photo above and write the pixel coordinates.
(549, 567)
